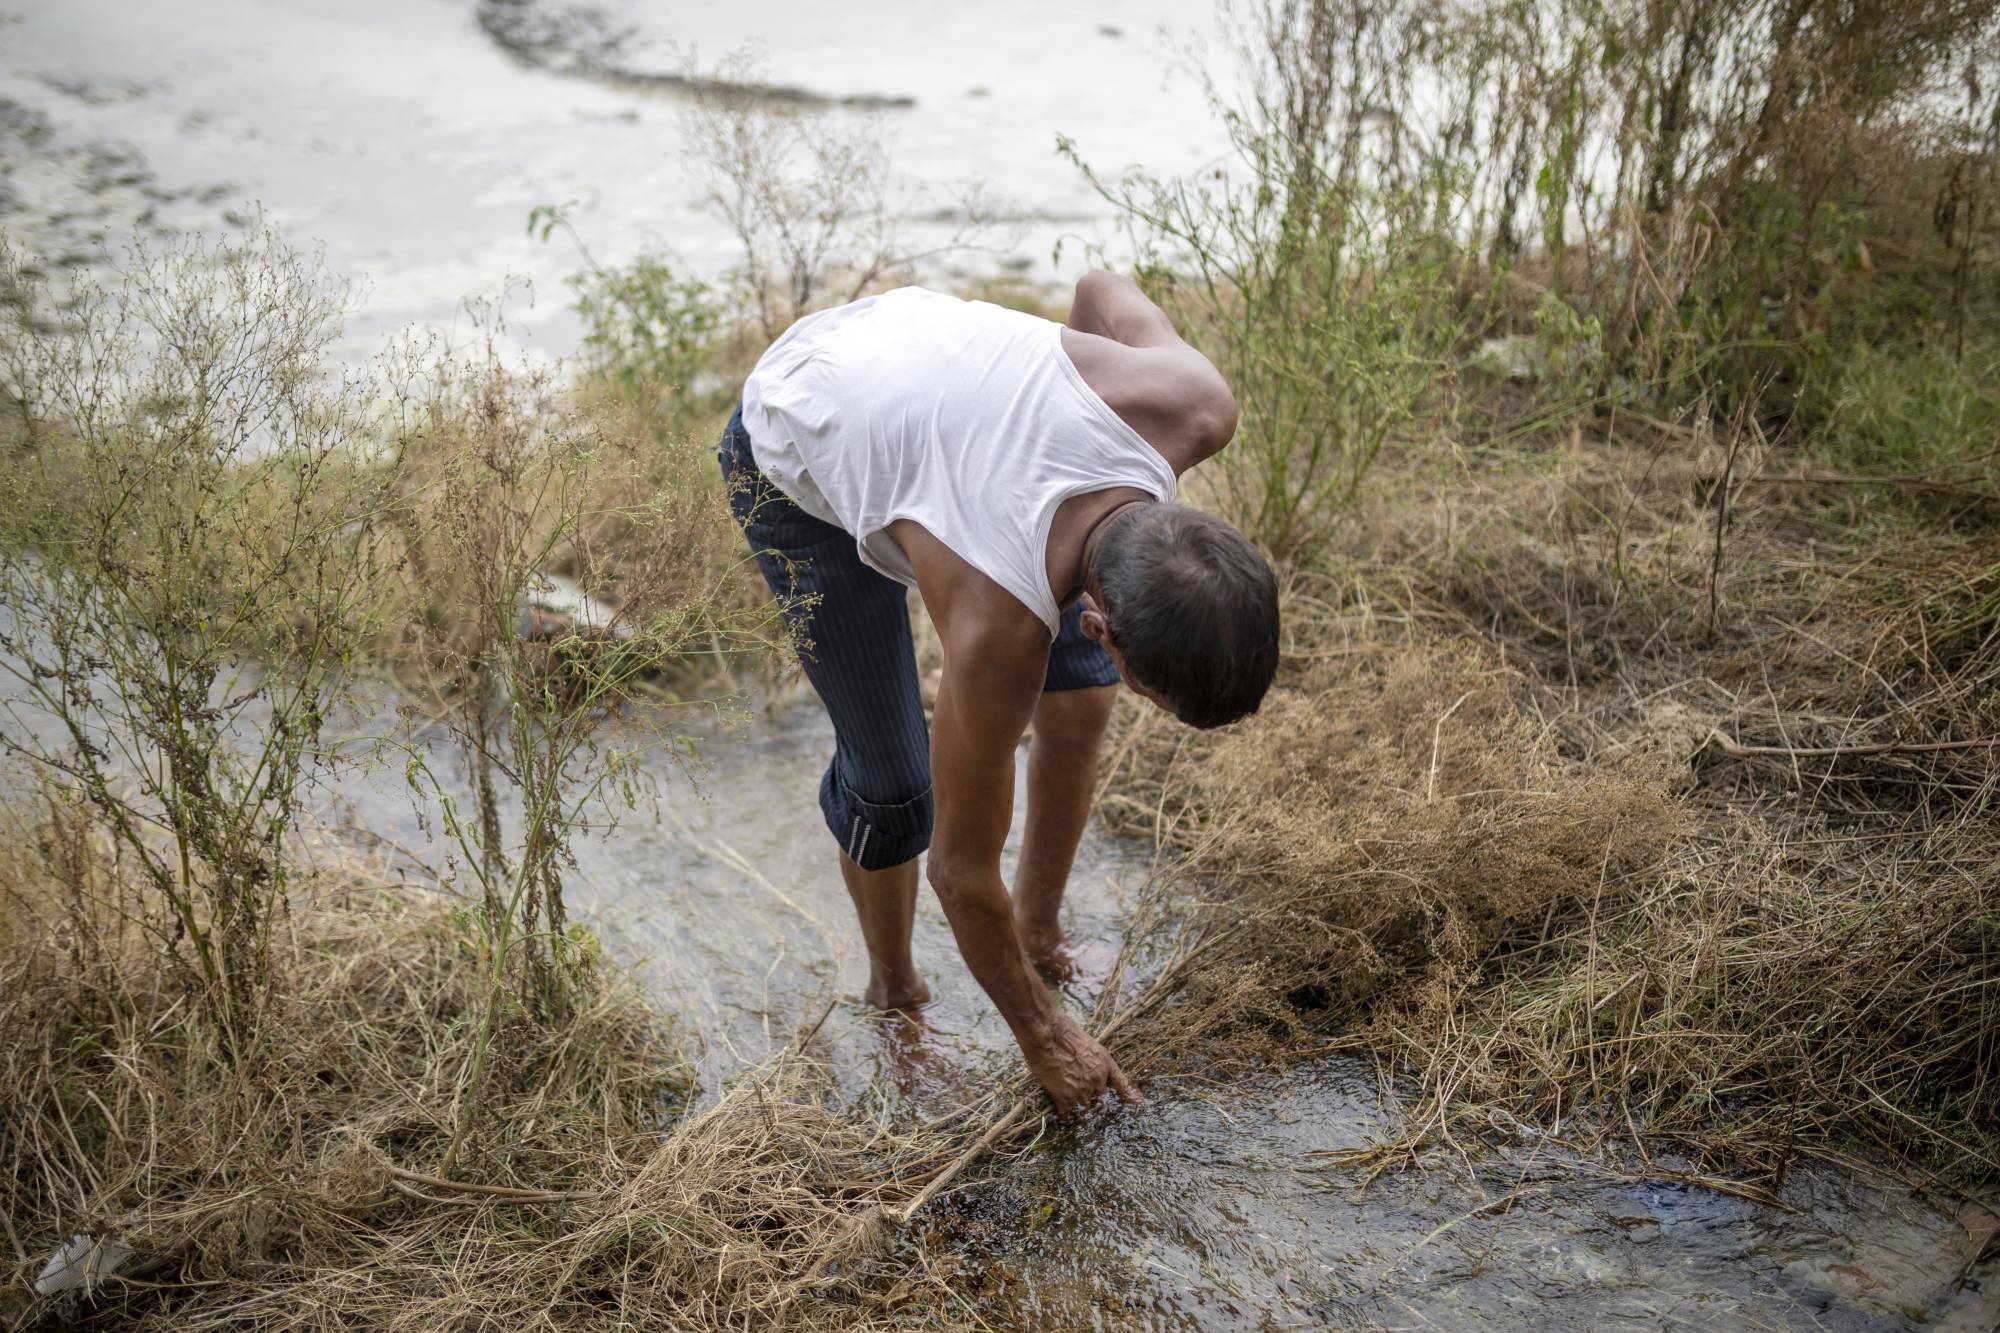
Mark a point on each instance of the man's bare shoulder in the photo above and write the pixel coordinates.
(1170, 393)
(977, 618)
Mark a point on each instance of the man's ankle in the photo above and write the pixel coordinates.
(906, 990)
(1038, 932)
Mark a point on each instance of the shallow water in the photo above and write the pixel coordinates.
(406, 138)
(1214, 1207)
(1212, 1212)
(725, 886)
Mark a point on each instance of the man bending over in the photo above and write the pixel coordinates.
(1020, 475)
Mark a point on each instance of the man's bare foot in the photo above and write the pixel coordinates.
(1068, 964)
(1050, 954)
(913, 1064)
(897, 995)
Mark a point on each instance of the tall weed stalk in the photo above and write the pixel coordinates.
(188, 564)
(547, 689)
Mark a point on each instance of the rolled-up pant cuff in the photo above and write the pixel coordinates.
(874, 835)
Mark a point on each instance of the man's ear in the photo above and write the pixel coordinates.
(1095, 627)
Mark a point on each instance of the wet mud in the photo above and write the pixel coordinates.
(582, 40)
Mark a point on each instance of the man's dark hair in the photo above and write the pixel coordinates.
(1192, 608)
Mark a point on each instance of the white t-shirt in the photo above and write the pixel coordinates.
(964, 417)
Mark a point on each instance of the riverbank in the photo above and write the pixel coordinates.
(1596, 923)
(1452, 861)
(1237, 1193)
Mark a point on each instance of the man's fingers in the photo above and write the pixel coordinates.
(1123, 1087)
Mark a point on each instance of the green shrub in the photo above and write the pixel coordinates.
(649, 327)
(189, 560)
(1910, 407)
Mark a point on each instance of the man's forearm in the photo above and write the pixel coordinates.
(1112, 306)
(982, 919)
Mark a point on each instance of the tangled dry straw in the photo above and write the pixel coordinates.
(294, 1192)
(1380, 825)
(1569, 808)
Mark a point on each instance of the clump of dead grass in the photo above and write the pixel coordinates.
(295, 1188)
(1777, 986)
(1638, 788)
(1375, 830)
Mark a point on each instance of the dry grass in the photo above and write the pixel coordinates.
(295, 1191)
(1379, 825)
(1779, 986)
(1569, 811)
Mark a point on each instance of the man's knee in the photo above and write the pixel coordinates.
(875, 834)
(1084, 710)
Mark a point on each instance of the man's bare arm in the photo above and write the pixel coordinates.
(1112, 306)
(989, 691)
(1132, 356)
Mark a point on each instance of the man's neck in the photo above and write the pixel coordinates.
(1093, 522)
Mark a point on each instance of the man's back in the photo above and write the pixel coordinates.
(964, 418)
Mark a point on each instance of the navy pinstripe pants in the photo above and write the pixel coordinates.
(858, 655)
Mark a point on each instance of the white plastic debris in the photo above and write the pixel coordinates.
(83, 1261)
(554, 595)
(1514, 357)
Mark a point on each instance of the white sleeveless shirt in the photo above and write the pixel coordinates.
(964, 417)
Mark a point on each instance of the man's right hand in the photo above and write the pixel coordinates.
(1075, 1069)
(996, 655)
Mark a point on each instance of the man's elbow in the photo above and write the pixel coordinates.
(1216, 419)
(1092, 299)
(1098, 283)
